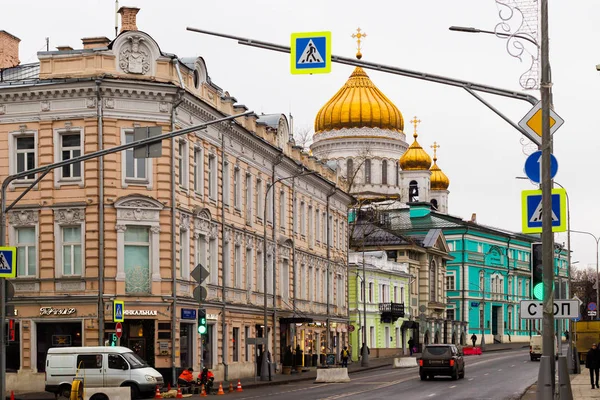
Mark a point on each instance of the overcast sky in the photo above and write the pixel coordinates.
(480, 153)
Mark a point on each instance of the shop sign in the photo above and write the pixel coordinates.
(213, 317)
(61, 340)
(164, 348)
(145, 313)
(57, 311)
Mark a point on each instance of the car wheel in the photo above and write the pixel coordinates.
(64, 391)
(532, 358)
(423, 377)
(462, 374)
(135, 392)
(454, 375)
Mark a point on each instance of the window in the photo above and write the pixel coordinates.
(199, 170)
(303, 279)
(226, 184)
(183, 160)
(237, 260)
(367, 171)
(269, 274)
(282, 208)
(362, 291)
(26, 251)
(384, 172)
(349, 170)
(335, 226)
(450, 282)
(324, 228)
(371, 293)
(137, 259)
(395, 294)
(302, 219)
(237, 188)
(260, 207)
(450, 314)
(201, 251)
(413, 191)
(285, 279)
(71, 244)
(89, 361)
(397, 174)
(213, 260)
(434, 204)
(270, 204)
(249, 270)
(311, 283)
(212, 177)
(70, 147)
(115, 361)
(184, 253)
(402, 294)
(311, 233)
(248, 199)
(25, 154)
(432, 281)
(236, 344)
(318, 226)
(246, 336)
(260, 269)
(136, 169)
(226, 264)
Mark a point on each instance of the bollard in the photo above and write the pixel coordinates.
(564, 380)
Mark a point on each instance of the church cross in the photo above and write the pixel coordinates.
(358, 36)
(415, 122)
(435, 146)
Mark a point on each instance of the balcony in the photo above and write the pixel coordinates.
(390, 312)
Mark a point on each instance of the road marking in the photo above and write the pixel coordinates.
(452, 387)
(500, 370)
(470, 379)
(486, 374)
(512, 365)
(431, 395)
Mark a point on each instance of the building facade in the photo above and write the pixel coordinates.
(133, 229)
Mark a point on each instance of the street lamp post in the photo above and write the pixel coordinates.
(597, 239)
(264, 370)
(501, 34)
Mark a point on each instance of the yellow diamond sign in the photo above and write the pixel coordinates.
(532, 122)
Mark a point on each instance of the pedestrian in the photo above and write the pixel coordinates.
(411, 344)
(362, 349)
(567, 336)
(592, 362)
(474, 339)
(345, 354)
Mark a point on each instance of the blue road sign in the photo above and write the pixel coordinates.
(592, 306)
(577, 319)
(532, 211)
(474, 304)
(533, 166)
(311, 52)
(118, 311)
(187, 313)
(8, 264)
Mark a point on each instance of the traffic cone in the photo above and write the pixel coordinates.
(239, 387)
(12, 395)
(203, 392)
(230, 387)
(157, 394)
(168, 386)
(179, 394)
(220, 392)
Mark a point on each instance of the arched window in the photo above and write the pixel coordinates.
(384, 172)
(413, 191)
(367, 171)
(397, 173)
(349, 169)
(482, 284)
(434, 204)
(432, 280)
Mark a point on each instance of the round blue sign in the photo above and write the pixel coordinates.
(592, 306)
(533, 166)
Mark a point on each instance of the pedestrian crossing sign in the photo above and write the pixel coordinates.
(311, 53)
(532, 210)
(8, 264)
(118, 311)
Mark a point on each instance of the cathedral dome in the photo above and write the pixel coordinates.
(415, 158)
(358, 104)
(439, 180)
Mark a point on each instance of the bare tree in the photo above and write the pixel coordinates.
(584, 281)
(303, 136)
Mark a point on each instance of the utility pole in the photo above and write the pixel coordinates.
(546, 375)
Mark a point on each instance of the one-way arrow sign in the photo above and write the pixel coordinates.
(199, 274)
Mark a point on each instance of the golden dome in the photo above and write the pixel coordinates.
(359, 103)
(439, 180)
(415, 158)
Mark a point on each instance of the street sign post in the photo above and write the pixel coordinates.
(533, 167)
(8, 264)
(563, 309)
(310, 53)
(119, 330)
(532, 122)
(532, 210)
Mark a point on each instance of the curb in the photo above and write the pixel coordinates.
(304, 379)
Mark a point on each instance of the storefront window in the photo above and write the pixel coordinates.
(186, 353)
(13, 349)
(137, 259)
(52, 334)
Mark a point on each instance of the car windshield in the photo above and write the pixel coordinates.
(437, 350)
(134, 360)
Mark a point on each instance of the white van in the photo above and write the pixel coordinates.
(99, 367)
(535, 347)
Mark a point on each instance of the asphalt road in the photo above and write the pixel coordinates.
(501, 375)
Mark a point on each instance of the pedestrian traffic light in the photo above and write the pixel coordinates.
(202, 329)
(11, 330)
(537, 268)
(113, 339)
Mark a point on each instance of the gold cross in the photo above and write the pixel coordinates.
(435, 146)
(415, 121)
(358, 35)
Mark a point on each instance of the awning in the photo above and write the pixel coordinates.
(409, 325)
(295, 320)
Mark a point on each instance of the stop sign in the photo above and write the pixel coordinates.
(119, 330)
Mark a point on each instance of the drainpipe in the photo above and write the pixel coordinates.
(100, 216)
(464, 280)
(328, 271)
(294, 227)
(176, 104)
(274, 259)
(223, 280)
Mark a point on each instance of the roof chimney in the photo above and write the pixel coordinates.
(64, 48)
(128, 18)
(9, 50)
(95, 42)
(474, 217)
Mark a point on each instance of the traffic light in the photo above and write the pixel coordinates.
(537, 268)
(11, 330)
(113, 339)
(202, 329)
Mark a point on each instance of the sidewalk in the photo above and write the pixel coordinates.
(280, 379)
(580, 387)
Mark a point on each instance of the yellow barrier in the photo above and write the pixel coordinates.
(76, 390)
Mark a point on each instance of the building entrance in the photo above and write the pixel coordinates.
(55, 334)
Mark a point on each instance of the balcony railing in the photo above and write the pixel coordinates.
(391, 311)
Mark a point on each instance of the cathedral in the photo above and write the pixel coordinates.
(361, 132)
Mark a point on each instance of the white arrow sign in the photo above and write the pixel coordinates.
(577, 300)
(563, 309)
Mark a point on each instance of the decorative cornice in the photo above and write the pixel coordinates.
(67, 216)
(23, 217)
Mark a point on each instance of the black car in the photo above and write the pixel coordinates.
(441, 359)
